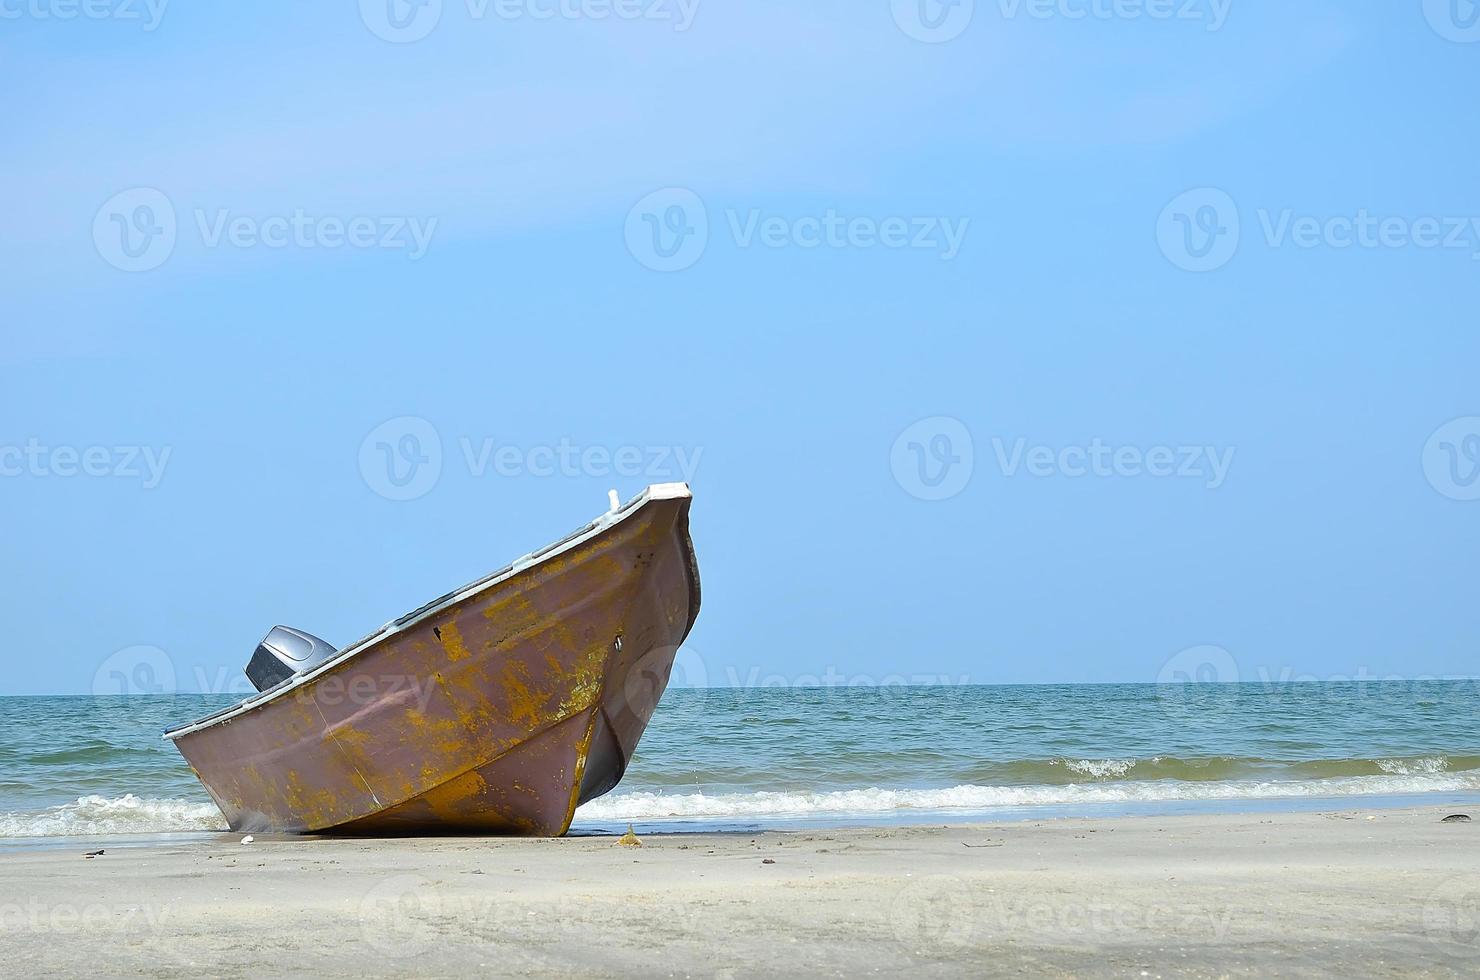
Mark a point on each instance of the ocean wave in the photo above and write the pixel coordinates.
(104, 816)
(1065, 770)
(98, 816)
(968, 798)
(1100, 768)
(1410, 767)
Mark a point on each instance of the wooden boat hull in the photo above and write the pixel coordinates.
(496, 709)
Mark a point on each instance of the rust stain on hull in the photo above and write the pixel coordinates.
(500, 711)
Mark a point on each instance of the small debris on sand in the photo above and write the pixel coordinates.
(92, 854)
(767, 861)
(629, 839)
(248, 839)
(1456, 818)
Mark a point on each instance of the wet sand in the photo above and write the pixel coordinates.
(1366, 893)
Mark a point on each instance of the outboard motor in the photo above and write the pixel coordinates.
(283, 653)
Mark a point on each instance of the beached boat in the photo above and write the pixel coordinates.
(498, 708)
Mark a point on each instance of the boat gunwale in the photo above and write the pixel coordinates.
(654, 492)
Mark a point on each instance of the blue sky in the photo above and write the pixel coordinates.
(1013, 342)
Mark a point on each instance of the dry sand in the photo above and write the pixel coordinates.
(1379, 893)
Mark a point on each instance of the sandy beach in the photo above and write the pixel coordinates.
(1366, 893)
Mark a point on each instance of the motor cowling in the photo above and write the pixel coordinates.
(283, 652)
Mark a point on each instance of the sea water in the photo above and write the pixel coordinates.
(814, 756)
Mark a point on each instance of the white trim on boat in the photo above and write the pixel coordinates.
(657, 491)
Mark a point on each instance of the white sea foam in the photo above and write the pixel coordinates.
(1414, 767)
(1099, 768)
(101, 816)
(649, 806)
(98, 816)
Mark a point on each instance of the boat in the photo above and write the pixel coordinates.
(496, 709)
